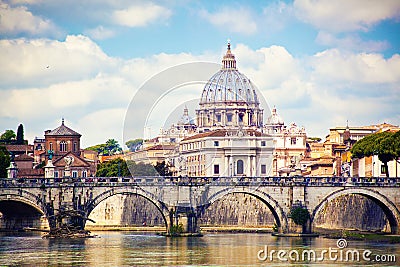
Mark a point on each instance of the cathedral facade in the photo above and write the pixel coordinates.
(228, 136)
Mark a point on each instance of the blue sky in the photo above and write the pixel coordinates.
(319, 62)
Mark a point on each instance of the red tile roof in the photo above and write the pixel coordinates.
(62, 130)
(23, 157)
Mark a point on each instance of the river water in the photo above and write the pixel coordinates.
(220, 249)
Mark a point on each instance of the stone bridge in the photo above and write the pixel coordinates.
(184, 200)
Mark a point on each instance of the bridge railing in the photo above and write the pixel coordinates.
(202, 181)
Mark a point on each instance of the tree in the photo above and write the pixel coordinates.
(4, 161)
(162, 169)
(381, 144)
(8, 136)
(111, 147)
(113, 168)
(300, 216)
(134, 145)
(141, 169)
(99, 148)
(20, 135)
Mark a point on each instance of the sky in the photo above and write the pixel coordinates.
(319, 62)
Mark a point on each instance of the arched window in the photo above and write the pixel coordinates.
(239, 166)
(63, 146)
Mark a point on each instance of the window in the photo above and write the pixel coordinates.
(262, 143)
(219, 117)
(75, 147)
(229, 117)
(56, 174)
(63, 146)
(383, 169)
(263, 169)
(51, 146)
(239, 166)
(216, 143)
(293, 141)
(216, 169)
(74, 174)
(84, 174)
(241, 115)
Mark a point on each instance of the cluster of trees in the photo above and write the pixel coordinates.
(111, 147)
(386, 145)
(134, 145)
(9, 136)
(6, 138)
(120, 167)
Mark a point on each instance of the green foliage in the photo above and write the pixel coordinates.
(4, 161)
(99, 148)
(111, 147)
(40, 165)
(299, 215)
(120, 167)
(385, 145)
(20, 135)
(141, 169)
(162, 169)
(316, 139)
(176, 229)
(133, 145)
(8, 136)
(113, 168)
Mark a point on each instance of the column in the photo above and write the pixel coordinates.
(248, 167)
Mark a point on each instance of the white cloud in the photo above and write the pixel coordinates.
(41, 62)
(100, 33)
(351, 42)
(345, 15)
(235, 20)
(93, 90)
(141, 15)
(14, 21)
(364, 68)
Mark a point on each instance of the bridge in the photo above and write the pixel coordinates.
(183, 200)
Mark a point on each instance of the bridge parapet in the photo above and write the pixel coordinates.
(200, 181)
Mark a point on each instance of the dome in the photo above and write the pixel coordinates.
(229, 85)
(229, 100)
(274, 119)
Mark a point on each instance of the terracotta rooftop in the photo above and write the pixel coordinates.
(62, 130)
(23, 157)
(19, 148)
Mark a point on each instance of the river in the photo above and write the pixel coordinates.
(144, 249)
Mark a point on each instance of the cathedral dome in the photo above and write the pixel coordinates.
(229, 85)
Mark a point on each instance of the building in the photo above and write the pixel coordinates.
(336, 150)
(62, 146)
(228, 136)
(289, 144)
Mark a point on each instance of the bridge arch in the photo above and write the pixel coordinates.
(22, 209)
(161, 207)
(25, 197)
(389, 208)
(276, 210)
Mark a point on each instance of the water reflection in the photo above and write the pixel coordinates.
(135, 249)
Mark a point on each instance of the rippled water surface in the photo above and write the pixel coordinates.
(132, 249)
